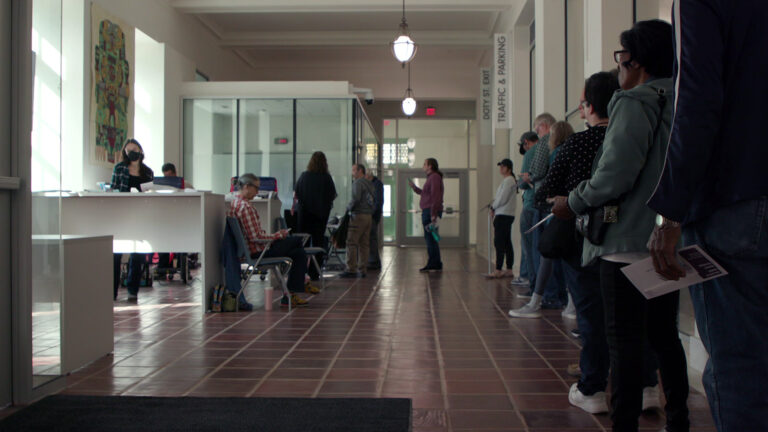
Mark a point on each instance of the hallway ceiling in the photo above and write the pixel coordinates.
(273, 34)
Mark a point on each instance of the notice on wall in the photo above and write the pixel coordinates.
(485, 110)
(501, 78)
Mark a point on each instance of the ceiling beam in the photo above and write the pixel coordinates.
(282, 6)
(353, 38)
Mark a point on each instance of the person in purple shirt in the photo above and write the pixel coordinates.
(431, 205)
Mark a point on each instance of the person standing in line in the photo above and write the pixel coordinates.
(360, 209)
(374, 260)
(714, 193)
(527, 271)
(431, 204)
(314, 194)
(624, 176)
(503, 214)
(130, 172)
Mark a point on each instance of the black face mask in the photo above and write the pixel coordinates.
(522, 150)
(134, 156)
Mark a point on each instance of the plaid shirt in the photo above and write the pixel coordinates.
(540, 163)
(121, 177)
(250, 224)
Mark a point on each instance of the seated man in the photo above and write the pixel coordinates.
(283, 246)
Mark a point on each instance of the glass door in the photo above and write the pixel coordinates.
(6, 189)
(453, 226)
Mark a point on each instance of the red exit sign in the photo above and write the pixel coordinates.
(431, 111)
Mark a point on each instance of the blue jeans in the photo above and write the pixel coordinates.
(433, 248)
(732, 314)
(527, 270)
(594, 359)
(552, 289)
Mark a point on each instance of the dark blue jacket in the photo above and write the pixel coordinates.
(718, 147)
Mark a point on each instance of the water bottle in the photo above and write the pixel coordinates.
(432, 229)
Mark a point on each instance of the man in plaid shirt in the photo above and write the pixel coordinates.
(282, 245)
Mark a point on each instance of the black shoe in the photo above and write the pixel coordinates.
(550, 304)
(374, 267)
(431, 269)
(349, 275)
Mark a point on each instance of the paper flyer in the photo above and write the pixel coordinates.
(699, 267)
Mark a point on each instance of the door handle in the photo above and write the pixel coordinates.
(9, 183)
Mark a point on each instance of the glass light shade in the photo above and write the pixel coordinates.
(411, 143)
(409, 106)
(404, 48)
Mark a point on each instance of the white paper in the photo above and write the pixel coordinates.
(699, 267)
(540, 223)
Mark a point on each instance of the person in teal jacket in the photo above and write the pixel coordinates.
(627, 169)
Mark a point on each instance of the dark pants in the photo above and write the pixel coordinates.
(502, 241)
(527, 269)
(292, 248)
(373, 254)
(630, 319)
(134, 272)
(732, 314)
(315, 226)
(594, 359)
(433, 248)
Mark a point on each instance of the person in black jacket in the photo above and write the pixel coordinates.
(714, 191)
(314, 195)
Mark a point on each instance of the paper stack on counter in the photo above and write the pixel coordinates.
(699, 267)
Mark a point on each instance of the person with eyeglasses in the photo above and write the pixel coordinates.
(130, 173)
(624, 176)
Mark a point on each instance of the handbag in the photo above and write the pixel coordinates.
(558, 239)
(339, 237)
(595, 222)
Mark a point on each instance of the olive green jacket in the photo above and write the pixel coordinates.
(628, 164)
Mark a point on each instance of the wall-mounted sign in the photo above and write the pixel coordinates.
(431, 111)
(281, 141)
(501, 78)
(485, 108)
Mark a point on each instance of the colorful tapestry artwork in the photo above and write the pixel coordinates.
(112, 91)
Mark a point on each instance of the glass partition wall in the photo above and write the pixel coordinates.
(224, 138)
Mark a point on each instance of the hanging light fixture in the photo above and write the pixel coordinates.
(409, 103)
(404, 48)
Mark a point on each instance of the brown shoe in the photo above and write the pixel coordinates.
(574, 370)
(311, 289)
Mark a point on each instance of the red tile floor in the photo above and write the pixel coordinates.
(444, 340)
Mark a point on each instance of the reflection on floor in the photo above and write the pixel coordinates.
(443, 340)
(46, 340)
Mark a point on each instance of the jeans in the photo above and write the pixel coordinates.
(631, 323)
(433, 248)
(502, 241)
(292, 248)
(594, 360)
(527, 270)
(358, 242)
(134, 272)
(315, 226)
(732, 314)
(373, 256)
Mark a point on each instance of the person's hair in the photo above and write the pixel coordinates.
(360, 167)
(559, 133)
(318, 163)
(126, 160)
(599, 89)
(169, 167)
(432, 162)
(651, 44)
(246, 178)
(546, 118)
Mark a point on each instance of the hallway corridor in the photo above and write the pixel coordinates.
(443, 339)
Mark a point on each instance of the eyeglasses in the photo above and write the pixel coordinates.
(583, 104)
(617, 55)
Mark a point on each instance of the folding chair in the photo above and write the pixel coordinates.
(276, 263)
(312, 252)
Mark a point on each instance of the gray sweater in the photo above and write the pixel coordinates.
(363, 197)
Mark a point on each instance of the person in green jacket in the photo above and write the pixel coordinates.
(627, 169)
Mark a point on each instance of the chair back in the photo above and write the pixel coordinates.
(234, 227)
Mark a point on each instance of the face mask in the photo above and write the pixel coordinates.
(134, 156)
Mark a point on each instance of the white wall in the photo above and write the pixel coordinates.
(149, 101)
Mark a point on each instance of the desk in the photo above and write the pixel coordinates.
(153, 222)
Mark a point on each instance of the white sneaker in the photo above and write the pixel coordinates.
(594, 404)
(519, 281)
(569, 312)
(651, 398)
(526, 311)
(133, 296)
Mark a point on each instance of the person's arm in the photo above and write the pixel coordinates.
(540, 162)
(249, 220)
(113, 185)
(357, 192)
(699, 105)
(626, 144)
(504, 194)
(557, 174)
(437, 196)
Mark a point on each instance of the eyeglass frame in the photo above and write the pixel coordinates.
(616, 55)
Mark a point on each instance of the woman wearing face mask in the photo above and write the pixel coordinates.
(129, 173)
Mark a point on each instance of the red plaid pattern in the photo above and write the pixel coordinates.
(250, 224)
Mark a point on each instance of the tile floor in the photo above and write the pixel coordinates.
(443, 340)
